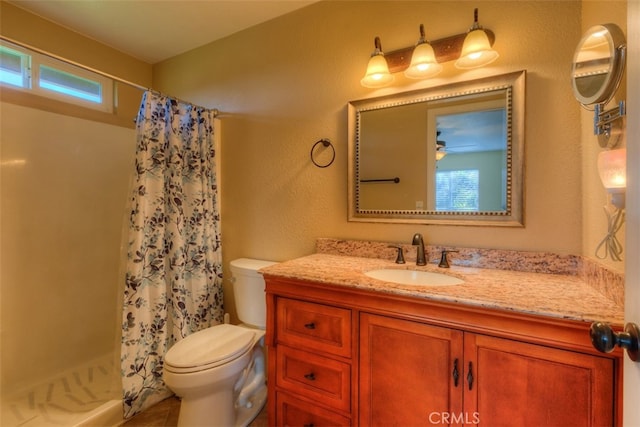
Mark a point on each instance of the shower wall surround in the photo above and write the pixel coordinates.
(64, 191)
(65, 176)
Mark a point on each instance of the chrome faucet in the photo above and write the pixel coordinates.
(418, 241)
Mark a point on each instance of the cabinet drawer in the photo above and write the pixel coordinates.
(324, 380)
(293, 412)
(314, 326)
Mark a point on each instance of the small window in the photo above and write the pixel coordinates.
(14, 67)
(457, 190)
(69, 84)
(41, 75)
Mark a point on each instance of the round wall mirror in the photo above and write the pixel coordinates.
(598, 64)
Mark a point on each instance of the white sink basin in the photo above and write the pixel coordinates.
(413, 277)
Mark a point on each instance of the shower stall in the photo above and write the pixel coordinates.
(64, 190)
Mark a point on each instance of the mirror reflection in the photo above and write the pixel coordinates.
(598, 64)
(449, 154)
(474, 144)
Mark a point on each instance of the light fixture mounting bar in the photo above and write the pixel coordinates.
(446, 49)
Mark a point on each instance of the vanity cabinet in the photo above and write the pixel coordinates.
(347, 356)
(414, 374)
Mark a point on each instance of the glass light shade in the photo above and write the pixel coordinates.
(476, 51)
(440, 155)
(423, 63)
(612, 167)
(377, 74)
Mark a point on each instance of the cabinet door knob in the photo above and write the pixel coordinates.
(310, 376)
(604, 339)
(310, 325)
(470, 376)
(455, 373)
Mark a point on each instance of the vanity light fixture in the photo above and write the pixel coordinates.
(476, 49)
(377, 74)
(423, 60)
(612, 167)
(470, 50)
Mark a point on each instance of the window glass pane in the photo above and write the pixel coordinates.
(457, 190)
(69, 84)
(443, 191)
(12, 67)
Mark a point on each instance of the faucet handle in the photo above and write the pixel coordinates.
(400, 257)
(444, 261)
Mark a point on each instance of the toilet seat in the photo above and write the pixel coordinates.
(209, 348)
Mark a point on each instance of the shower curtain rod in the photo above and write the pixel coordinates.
(102, 73)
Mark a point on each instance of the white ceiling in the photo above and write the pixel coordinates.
(154, 30)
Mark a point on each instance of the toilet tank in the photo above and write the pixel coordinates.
(248, 291)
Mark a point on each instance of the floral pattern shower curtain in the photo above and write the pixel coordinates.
(173, 281)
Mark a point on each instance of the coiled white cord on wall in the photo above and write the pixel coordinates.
(610, 244)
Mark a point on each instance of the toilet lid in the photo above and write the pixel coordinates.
(210, 347)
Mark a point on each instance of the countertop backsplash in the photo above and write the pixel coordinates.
(608, 282)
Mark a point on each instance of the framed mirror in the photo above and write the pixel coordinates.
(445, 155)
(598, 64)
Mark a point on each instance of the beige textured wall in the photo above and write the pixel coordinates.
(284, 84)
(594, 196)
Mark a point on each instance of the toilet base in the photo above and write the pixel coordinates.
(245, 415)
(213, 411)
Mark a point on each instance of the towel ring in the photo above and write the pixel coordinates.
(326, 143)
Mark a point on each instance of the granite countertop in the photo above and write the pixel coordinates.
(555, 295)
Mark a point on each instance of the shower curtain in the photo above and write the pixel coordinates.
(173, 278)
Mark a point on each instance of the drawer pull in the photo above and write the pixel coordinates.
(308, 425)
(310, 325)
(310, 376)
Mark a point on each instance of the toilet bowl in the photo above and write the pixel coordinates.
(219, 372)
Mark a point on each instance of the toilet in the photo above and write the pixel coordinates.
(219, 372)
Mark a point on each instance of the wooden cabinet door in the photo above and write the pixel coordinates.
(520, 384)
(406, 372)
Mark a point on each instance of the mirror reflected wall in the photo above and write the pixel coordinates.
(451, 154)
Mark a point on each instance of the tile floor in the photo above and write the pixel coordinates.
(165, 414)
